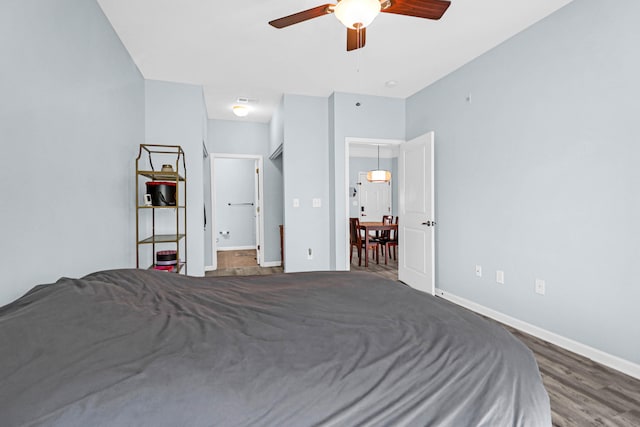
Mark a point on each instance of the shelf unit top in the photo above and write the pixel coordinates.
(162, 176)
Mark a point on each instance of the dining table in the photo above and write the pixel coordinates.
(368, 227)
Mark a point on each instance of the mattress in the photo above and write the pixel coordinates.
(149, 348)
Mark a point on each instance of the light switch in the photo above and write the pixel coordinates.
(316, 203)
(296, 203)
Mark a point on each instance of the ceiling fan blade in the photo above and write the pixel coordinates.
(356, 38)
(429, 9)
(296, 18)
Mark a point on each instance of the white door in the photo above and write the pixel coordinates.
(415, 228)
(374, 199)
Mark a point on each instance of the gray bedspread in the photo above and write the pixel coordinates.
(146, 348)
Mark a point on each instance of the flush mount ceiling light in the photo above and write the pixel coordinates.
(379, 175)
(240, 110)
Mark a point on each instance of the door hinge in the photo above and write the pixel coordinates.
(258, 247)
(257, 170)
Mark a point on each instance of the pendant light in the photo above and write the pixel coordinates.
(379, 175)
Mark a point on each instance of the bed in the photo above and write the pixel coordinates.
(147, 348)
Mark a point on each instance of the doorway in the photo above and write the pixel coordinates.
(415, 173)
(370, 201)
(236, 208)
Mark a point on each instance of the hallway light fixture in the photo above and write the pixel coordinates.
(379, 175)
(240, 110)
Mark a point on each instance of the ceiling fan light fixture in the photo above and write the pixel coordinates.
(357, 13)
(240, 110)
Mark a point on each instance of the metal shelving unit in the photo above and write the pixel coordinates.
(157, 228)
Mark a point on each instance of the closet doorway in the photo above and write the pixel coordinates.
(236, 199)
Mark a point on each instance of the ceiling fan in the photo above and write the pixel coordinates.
(356, 15)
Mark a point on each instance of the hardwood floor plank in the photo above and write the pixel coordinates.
(626, 392)
(580, 384)
(570, 407)
(630, 418)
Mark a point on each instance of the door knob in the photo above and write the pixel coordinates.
(429, 223)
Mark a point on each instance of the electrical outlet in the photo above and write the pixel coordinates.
(540, 287)
(309, 254)
(500, 277)
(478, 270)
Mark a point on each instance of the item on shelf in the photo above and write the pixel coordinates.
(167, 168)
(162, 193)
(168, 257)
(168, 268)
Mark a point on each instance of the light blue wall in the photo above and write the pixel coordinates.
(306, 176)
(538, 175)
(236, 137)
(235, 211)
(71, 119)
(376, 118)
(174, 116)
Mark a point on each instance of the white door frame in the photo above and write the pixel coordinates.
(345, 186)
(259, 205)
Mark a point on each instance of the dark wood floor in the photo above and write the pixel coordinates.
(582, 392)
(240, 263)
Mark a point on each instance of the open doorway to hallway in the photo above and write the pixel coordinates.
(236, 207)
(369, 201)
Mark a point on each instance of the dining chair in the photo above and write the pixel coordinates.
(393, 242)
(389, 238)
(359, 242)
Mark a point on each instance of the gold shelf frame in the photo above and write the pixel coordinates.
(179, 176)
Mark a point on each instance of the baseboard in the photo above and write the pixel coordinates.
(594, 354)
(235, 248)
(264, 264)
(271, 264)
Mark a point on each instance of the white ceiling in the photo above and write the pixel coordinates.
(229, 48)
